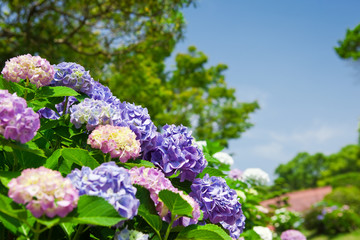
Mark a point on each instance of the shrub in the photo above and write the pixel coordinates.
(346, 196)
(331, 219)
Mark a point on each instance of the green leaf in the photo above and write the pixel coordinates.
(153, 220)
(79, 156)
(68, 228)
(60, 91)
(5, 177)
(139, 163)
(212, 172)
(205, 232)
(176, 204)
(47, 124)
(53, 160)
(146, 203)
(94, 210)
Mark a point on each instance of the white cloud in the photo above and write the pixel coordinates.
(315, 135)
(273, 150)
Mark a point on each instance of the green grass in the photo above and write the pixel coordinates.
(345, 236)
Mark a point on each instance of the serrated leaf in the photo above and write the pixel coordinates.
(205, 232)
(60, 91)
(176, 204)
(94, 210)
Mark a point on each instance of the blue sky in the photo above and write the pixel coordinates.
(281, 53)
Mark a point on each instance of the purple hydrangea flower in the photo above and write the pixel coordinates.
(138, 119)
(175, 152)
(219, 203)
(109, 182)
(235, 229)
(103, 93)
(154, 180)
(73, 75)
(38, 70)
(235, 174)
(17, 121)
(292, 235)
(92, 112)
(44, 191)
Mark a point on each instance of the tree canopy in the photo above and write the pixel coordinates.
(349, 47)
(125, 44)
(306, 171)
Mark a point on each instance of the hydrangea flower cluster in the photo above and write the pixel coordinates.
(92, 112)
(219, 203)
(17, 121)
(138, 119)
(235, 174)
(292, 235)
(224, 157)
(175, 152)
(38, 70)
(74, 76)
(120, 142)
(256, 175)
(44, 191)
(127, 234)
(154, 180)
(264, 232)
(109, 182)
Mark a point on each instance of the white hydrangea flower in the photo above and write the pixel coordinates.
(241, 195)
(200, 144)
(264, 232)
(262, 209)
(224, 157)
(257, 175)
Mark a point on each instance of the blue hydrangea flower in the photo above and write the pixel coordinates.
(103, 93)
(92, 113)
(218, 202)
(235, 229)
(175, 152)
(138, 119)
(73, 75)
(109, 182)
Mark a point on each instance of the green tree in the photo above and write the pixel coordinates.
(344, 161)
(349, 47)
(302, 172)
(125, 45)
(94, 33)
(191, 94)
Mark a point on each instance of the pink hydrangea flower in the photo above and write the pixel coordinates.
(38, 70)
(154, 180)
(292, 235)
(44, 191)
(17, 121)
(120, 142)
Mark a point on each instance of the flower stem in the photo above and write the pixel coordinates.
(173, 218)
(37, 231)
(78, 232)
(26, 85)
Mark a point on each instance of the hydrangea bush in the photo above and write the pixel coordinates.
(77, 163)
